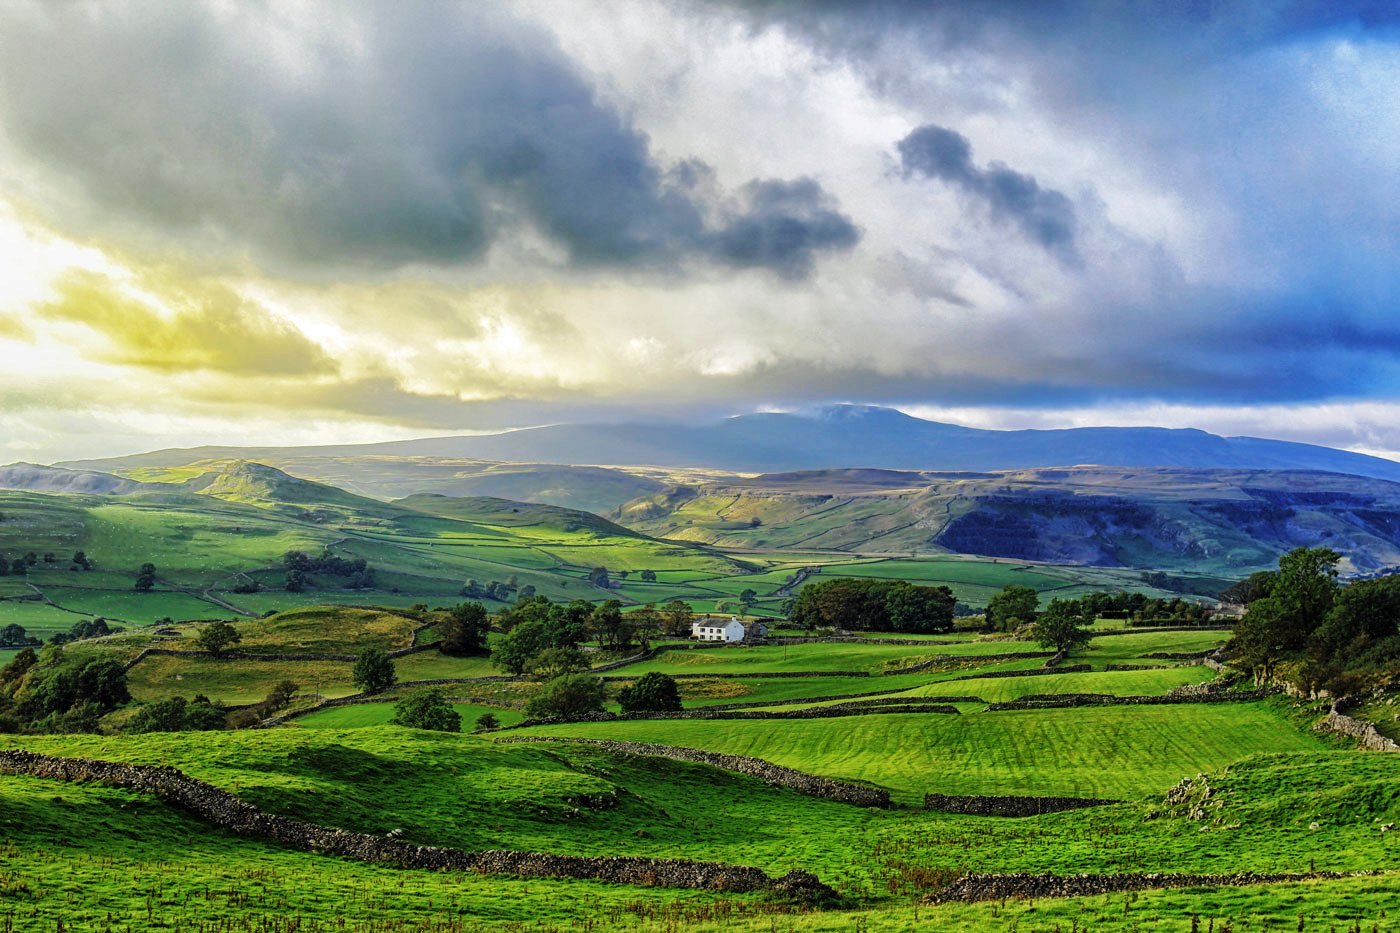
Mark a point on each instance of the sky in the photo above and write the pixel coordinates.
(333, 222)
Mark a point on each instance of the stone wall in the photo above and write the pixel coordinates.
(966, 658)
(226, 811)
(1009, 806)
(1024, 886)
(1065, 700)
(835, 711)
(1035, 672)
(1364, 732)
(765, 771)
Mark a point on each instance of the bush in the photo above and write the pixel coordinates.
(175, 714)
(655, 692)
(568, 697)
(428, 709)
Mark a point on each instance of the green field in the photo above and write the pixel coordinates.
(1116, 751)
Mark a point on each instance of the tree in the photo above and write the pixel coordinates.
(598, 576)
(486, 722)
(648, 576)
(646, 622)
(553, 662)
(427, 709)
(610, 626)
(1278, 626)
(145, 578)
(216, 636)
(1012, 607)
(568, 697)
(374, 671)
(677, 617)
(654, 692)
(1062, 625)
(464, 630)
(296, 580)
(748, 598)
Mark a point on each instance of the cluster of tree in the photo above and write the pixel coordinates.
(500, 590)
(1140, 609)
(1304, 627)
(15, 636)
(598, 577)
(871, 605)
(568, 696)
(300, 565)
(50, 692)
(464, 630)
(19, 565)
(176, 714)
(86, 628)
(145, 578)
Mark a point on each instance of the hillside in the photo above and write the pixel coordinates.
(834, 437)
(1222, 521)
(217, 532)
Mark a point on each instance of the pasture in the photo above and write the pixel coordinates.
(1117, 752)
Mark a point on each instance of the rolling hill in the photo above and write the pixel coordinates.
(835, 437)
(1221, 521)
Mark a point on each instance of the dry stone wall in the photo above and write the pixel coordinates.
(1365, 734)
(1025, 886)
(767, 772)
(228, 812)
(1009, 806)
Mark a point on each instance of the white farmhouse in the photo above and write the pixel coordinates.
(731, 631)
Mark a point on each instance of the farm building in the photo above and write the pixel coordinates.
(731, 630)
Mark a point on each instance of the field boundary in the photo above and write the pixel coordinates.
(228, 812)
(1025, 886)
(766, 771)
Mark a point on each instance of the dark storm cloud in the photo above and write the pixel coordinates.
(783, 224)
(378, 135)
(1044, 215)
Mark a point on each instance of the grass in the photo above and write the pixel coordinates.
(1115, 752)
(466, 791)
(813, 656)
(235, 681)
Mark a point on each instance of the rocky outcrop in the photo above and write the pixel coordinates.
(767, 772)
(1365, 733)
(1024, 886)
(227, 812)
(1009, 806)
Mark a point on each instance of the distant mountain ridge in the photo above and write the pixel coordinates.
(834, 437)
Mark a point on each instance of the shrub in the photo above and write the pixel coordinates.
(654, 692)
(568, 697)
(428, 709)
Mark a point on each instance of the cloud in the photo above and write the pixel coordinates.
(1044, 215)
(172, 327)
(368, 135)
(782, 225)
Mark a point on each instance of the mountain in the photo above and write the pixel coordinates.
(35, 478)
(1226, 522)
(838, 436)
